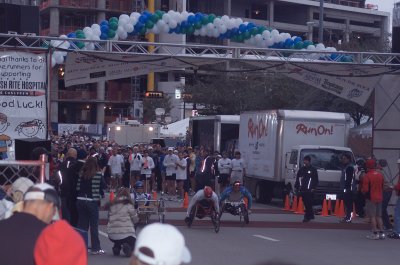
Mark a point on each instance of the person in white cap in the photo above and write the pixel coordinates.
(160, 244)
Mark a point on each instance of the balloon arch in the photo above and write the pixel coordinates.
(198, 24)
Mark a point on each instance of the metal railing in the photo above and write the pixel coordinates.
(36, 170)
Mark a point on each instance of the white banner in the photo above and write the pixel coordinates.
(351, 82)
(23, 87)
(82, 69)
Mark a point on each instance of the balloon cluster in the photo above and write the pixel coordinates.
(198, 24)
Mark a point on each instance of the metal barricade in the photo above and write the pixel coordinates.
(36, 170)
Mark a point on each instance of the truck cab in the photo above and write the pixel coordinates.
(327, 161)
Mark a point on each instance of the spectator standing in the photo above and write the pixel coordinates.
(238, 168)
(347, 186)
(181, 174)
(192, 169)
(203, 178)
(88, 201)
(306, 182)
(169, 162)
(224, 167)
(147, 165)
(20, 231)
(373, 190)
(116, 163)
(134, 159)
(387, 192)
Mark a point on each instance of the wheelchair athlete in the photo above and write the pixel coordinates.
(235, 194)
(205, 197)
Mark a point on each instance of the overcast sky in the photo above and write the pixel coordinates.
(383, 5)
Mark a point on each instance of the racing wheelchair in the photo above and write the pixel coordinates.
(238, 208)
(202, 209)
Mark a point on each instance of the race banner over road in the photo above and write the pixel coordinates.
(23, 87)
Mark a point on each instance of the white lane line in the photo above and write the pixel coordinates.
(103, 234)
(267, 238)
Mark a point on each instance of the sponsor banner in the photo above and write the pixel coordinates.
(23, 87)
(82, 69)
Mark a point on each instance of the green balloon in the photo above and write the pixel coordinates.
(79, 32)
(211, 18)
(111, 33)
(154, 18)
(143, 31)
(204, 20)
(80, 45)
(80, 36)
(261, 29)
(190, 30)
(299, 45)
(183, 30)
(159, 14)
(113, 25)
(246, 35)
(240, 38)
(149, 24)
(254, 31)
(113, 19)
(197, 25)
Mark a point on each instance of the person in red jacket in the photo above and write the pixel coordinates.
(372, 187)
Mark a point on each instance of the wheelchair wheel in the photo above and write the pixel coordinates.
(244, 217)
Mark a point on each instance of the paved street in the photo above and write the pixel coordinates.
(273, 235)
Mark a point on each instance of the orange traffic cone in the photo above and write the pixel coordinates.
(329, 206)
(287, 203)
(337, 206)
(294, 204)
(341, 209)
(354, 214)
(112, 196)
(324, 208)
(300, 207)
(185, 201)
(154, 195)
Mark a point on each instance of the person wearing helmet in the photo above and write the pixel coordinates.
(236, 193)
(138, 193)
(207, 195)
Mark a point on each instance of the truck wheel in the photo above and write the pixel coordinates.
(269, 192)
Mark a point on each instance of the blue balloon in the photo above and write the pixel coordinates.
(104, 28)
(228, 34)
(234, 31)
(242, 28)
(250, 25)
(178, 29)
(334, 56)
(198, 16)
(104, 22)
(184, 24)
(143, 19)
(288, 43)
(171, 31)
(280, 45)
(71, 35)
(138, 26)
(103, 36)
(297, 39)
(191, 19)
(146, 13)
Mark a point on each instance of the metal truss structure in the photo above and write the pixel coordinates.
(213, 52)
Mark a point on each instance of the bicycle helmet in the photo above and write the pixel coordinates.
(208, 192)
(138, 185)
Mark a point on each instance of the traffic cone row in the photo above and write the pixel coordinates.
(287, 203)
(294, 204)
(300, 207)
(112, 196)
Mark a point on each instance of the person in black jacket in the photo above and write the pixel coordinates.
(306, 182)
(347, 186)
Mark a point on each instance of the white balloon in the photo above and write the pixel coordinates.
(258, 38)
(239, 21)
(320, 47)
(172, 24)
(95, 26)
(59, 58)
(128, 28)
(96, 37)
(55, 43)
(120, 31)
(123, 36)
(311, 47)
(155, 29)
(266, 34)
(65, 45)
(63, 37)
(86, 29)
(196, 32)
(178, 17)
(274, 32)
(63, 53)
(160, 23)
(132, 21)
(203, 32)
(135, 15)
(215, 33)
(222, 29)
(269, 42)
(368, 61)
(166, 18)
(185, 15)
(277, 38)
(225, 18)
(251, 41)
(210, 27)
(230, 24)
(217, 21)
(123, 17)
(90, 47)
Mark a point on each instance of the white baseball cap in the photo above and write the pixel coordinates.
(166, 243)
(398, 161)
(170, 149)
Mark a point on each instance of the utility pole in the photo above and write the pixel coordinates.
(321, 22)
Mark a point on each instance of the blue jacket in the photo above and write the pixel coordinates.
(245, 193)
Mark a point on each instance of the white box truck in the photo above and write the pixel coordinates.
(273, 144)
(216, 133)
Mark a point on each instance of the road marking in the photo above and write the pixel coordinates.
(103, 234)
(267, 238)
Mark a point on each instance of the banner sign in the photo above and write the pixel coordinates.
(23, 87)
(70, 128)
(83, 69)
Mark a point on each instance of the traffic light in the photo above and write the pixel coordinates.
(154, 94)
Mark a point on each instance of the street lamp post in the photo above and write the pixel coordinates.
(321, 22)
